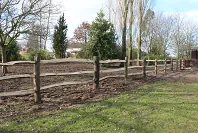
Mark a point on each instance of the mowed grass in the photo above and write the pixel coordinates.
(159, 107)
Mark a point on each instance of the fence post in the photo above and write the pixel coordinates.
(144, 69)
(96, 72)
(126, 69)
(36, 79)
(165, 65)
(155, 67)
(171, 64)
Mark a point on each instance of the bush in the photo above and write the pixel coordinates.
(45, 55)
(153, 57)
(84, 53)
(24, 57)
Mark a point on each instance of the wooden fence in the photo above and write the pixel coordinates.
(96, 72)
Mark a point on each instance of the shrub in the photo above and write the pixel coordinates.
(12, 52)
(24, 57)
(84, 53)
(153, 57)
(45, 55)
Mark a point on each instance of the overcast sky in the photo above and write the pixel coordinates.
(77, 11)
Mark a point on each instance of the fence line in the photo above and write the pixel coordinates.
(16, 62)
(96, 72)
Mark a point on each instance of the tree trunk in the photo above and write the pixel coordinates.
(139, 33)
(4, 60)
(124, 30)
(124, 41)
(178, 52)
(130, 33)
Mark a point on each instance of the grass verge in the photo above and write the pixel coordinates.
(163, 106)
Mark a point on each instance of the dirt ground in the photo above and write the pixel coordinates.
(58, 98)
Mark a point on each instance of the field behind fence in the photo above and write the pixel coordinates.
(98, 73)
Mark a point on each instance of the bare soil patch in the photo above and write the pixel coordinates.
(58, 98)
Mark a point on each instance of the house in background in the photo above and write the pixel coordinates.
(73, 49)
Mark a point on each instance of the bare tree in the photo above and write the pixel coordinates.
(15, 17)
(162, 30)
(190, 34)
(178, 36)
(44, 19)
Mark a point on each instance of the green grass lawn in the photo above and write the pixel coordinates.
(153, 108)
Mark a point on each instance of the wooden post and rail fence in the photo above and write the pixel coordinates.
(96, 72)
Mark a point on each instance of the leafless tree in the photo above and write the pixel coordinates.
(190, 35)
(178, 36)
(15, 17)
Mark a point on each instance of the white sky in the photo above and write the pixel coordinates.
(77, 11)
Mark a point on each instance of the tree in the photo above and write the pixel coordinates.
(178, 37)
(45, 21)
(34, 35)
(81, 33)
(143, 6)
(102, 41)
(130, 44)
(191, 38)
(185, 38)
(12, 51)
(15, 16)
(124, 27)
(148, 31)
(60, 38)
(139, 32)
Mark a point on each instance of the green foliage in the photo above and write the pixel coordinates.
(84, 53)
(45, 55)
(153, 57)
(102, 41)
(60, 38)
(24, 57)
(12, 52)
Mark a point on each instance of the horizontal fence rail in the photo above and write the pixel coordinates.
(96, 72)
(16, 62)
(58, 61)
